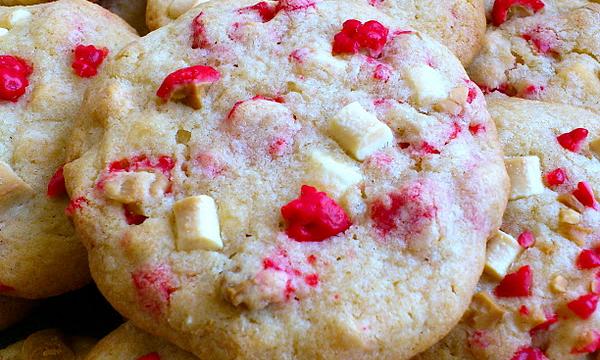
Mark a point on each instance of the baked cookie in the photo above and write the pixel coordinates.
(49, 345)
(44, 70)
(129, 343)
(551, 53)
(287, 180)
(538, 296)
(13, 310)
(458, 24)
(20, 2)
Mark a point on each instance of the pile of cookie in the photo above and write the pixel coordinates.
(304, 179)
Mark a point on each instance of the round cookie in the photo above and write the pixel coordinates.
(129, 343)
(49, 345)
(40, 94)
(458, 24)
(548, 231)
(13, 310)
(287, 182)
(550, 55)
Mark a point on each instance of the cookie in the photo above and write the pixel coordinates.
(45, 70)
(49, 345)
(307, 179)
(128, 342)
(13, 310)
(458, 24)
(539, 291)
(550, 53)
(20, 2)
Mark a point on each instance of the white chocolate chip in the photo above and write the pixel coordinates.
(130, 187)
(569, 216)
(179, 7)
(3, 31)
(359, 132)
(12, 187)
(483, 311)
(429, 84)
(502, 250)
(525, 176)
(559, 284)
(595, 147)
(18, 16)
(197, 223)
(330, 175)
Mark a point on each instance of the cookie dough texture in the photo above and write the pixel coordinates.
(529, 128)
(40, 255)
(421, 209)
(552, 56)
(49, 345)
(458, 24)
(13, 310)
(128, 342)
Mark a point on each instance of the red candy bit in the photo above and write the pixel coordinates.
(516, 284)
(585, 195)
(312, 280)
(526, 239)
(314, 216)
(531, 91)
(406, 211)
(133, 218)
(295, 5)
(382, 72)
(501, 8)
(177, 84)
(589, 347)
(584, 306)
(551, 318)
(529, 353)
(199, 40)
(151, 356)
(588, 259)
(265, 10)
(16, 64)
(476, 129)
(14, 77)
(311, 259)
(556, 177)
(164, 164)
(56, 185)
(88, 59)
(74, 205)
(573, 140)
(154, 287)
(371, 36)
(544, 40)
(524, 310)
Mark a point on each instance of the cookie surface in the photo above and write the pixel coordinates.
(128, 342)
(460, 25)
(49, 345)
(390, 145)
(551, 232)
(13, 310)
(39, 253)
(550, 55)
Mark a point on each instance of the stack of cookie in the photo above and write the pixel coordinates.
(304, 179)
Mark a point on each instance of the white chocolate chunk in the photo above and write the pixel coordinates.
(359, 132)
(569, 216)
(130, 187)
(429, 84)
(330, 175)
(525, 176)
(595, 147)
(18, 16)
(502, 250)
(197, 224)
(3, 31)
(179, 7)
(12, 187)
